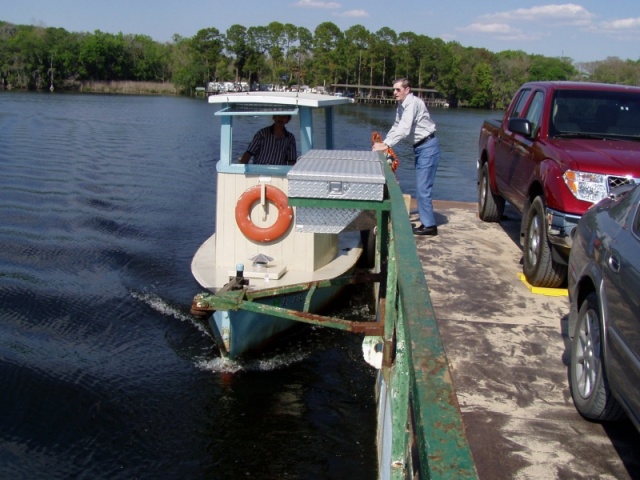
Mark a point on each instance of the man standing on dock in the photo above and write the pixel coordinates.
(414, 122)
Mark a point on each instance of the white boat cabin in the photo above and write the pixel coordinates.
(295, 257)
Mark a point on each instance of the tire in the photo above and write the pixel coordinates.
(589, 386)
(490, 206)
(539, 266)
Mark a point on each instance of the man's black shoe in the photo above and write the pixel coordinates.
(422, 230)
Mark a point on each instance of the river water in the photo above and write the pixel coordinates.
(103, 371)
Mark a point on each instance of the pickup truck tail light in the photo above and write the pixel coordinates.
(590, 187)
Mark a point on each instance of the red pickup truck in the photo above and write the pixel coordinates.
(560, 148)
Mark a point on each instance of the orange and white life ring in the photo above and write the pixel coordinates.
(245, 205)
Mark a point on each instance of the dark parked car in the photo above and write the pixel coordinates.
(604, 318)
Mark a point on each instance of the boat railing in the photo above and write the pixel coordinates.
(428, 437)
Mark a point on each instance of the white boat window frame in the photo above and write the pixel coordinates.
(268, 105)
(227, 113)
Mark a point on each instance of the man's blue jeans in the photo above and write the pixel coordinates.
(427, 159)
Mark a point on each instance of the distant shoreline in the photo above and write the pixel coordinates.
(120, 87)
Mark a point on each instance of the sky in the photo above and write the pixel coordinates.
(583, 31)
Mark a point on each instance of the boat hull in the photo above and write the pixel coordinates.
(240, 331)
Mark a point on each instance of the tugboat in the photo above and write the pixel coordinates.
(269, 265)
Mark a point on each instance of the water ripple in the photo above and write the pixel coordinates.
(268, 364)
(162, 306)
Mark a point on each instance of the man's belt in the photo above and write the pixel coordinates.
(428, 137)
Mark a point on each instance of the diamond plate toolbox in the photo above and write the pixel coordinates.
(324, 220)
(337, 174)
(334, 174)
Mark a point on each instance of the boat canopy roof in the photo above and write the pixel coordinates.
(294, 99)
(269, 104)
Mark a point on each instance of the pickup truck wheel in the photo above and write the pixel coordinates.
(490, 206)
(539, 267)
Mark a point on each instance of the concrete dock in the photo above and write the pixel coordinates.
(508, 350)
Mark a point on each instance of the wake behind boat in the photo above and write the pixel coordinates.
(270, 265)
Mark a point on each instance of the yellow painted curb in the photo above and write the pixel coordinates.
(549, 292)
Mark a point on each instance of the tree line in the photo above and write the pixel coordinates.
(36, 58)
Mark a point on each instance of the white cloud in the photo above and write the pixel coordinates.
(568, 21)
(353, 14)
(503, 32)
(488, 28)
(623, 24)
(566, 13)
(505, 25)
(316, 4)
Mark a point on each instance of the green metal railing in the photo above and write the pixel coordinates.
(428, 439)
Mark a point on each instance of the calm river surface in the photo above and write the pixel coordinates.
(103, 371)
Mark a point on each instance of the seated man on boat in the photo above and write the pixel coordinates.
(273, 145)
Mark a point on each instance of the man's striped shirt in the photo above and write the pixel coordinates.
(267, 149)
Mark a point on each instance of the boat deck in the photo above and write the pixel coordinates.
(508, 350)
(214, 277)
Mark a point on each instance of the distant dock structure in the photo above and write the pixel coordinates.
(378, 94)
